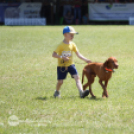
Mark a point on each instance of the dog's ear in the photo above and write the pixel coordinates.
(106, 63)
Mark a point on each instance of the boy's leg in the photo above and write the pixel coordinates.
(59, 83)
(72, 70)
(61, 75)
(83, 94)
(58, 86)
(78, 84)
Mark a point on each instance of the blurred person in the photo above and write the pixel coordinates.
(77, 11)
(69, 18)
(67, 7)
(85, 19)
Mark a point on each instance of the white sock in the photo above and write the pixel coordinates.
(80, 91)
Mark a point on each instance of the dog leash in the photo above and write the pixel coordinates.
(66, 68)
(79, 63)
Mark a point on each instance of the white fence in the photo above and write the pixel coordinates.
(25, 21)
(131, 21)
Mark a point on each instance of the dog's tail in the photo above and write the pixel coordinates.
(83, 76)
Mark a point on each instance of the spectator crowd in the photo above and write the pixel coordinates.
(71, 11)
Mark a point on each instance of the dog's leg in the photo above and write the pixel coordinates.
(90, 81)
(106, 92)
(90, 77)
(85, 86)
(90, 91)
(104, 87)
(85, 72)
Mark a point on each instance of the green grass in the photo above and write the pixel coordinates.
(28, 80)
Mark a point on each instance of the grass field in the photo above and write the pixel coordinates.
(28, 81)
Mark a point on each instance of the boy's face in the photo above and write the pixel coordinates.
(69, 36)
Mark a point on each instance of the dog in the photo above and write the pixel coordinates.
(103, 71)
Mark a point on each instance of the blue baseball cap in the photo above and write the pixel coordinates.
(69, 29)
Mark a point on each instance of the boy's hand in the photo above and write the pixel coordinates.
(65, 58)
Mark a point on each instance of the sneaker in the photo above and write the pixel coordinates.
(57, 94)
(85, 93)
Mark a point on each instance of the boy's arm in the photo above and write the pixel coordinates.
(55, 55)
(79, 55)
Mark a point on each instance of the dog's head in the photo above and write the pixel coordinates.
(111, 63)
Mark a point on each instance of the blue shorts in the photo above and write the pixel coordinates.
(63, 71)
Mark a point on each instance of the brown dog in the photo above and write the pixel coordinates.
(103, 71)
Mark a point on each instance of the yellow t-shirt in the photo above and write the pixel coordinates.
(66, 50)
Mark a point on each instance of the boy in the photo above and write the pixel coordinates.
(65, 61)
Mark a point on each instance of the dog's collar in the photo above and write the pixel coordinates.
(109, 70)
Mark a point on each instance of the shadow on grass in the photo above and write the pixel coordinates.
(66, 97)
(69, 97)
(96, 99)
(78, 97)
(41, 98)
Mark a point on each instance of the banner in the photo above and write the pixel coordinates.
(24, 14)
(106, 11)
(3, 7)
(19, 10)
(25, 10)
(30, 10)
